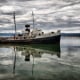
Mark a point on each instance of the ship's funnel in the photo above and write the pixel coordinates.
(27, 25)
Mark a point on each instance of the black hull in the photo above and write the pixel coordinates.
(47, 40)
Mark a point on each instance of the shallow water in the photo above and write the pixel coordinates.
(21, 62)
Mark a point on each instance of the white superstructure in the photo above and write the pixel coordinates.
(38, 33)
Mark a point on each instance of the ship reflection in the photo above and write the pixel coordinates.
(34, 52)
(27, 51)
(14, 65)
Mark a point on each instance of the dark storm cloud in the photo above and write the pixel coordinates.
(20, 0)
(11, 13)
(6, 13)
(3, 1)
(71, 1)
(5, 21)
(24, 0)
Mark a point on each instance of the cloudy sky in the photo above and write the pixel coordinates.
(49, 14)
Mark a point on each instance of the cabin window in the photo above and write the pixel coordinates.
(16, 37)
(42, 32)
(19, 34)
(24, 37)
(52, 32)
(39, 34)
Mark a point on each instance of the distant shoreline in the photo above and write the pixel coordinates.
(62, 34)
(71, 34)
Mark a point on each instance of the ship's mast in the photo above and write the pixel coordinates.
(33, 19)
(14, 24)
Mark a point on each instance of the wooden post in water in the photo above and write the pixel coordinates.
(14, 24)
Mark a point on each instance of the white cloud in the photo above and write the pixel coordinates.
(7, 8)
(56, 14)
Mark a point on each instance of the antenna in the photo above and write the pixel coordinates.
(14, 24)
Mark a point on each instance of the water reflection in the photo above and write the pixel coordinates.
(27, 51)
(21, 62)
(31, 53)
